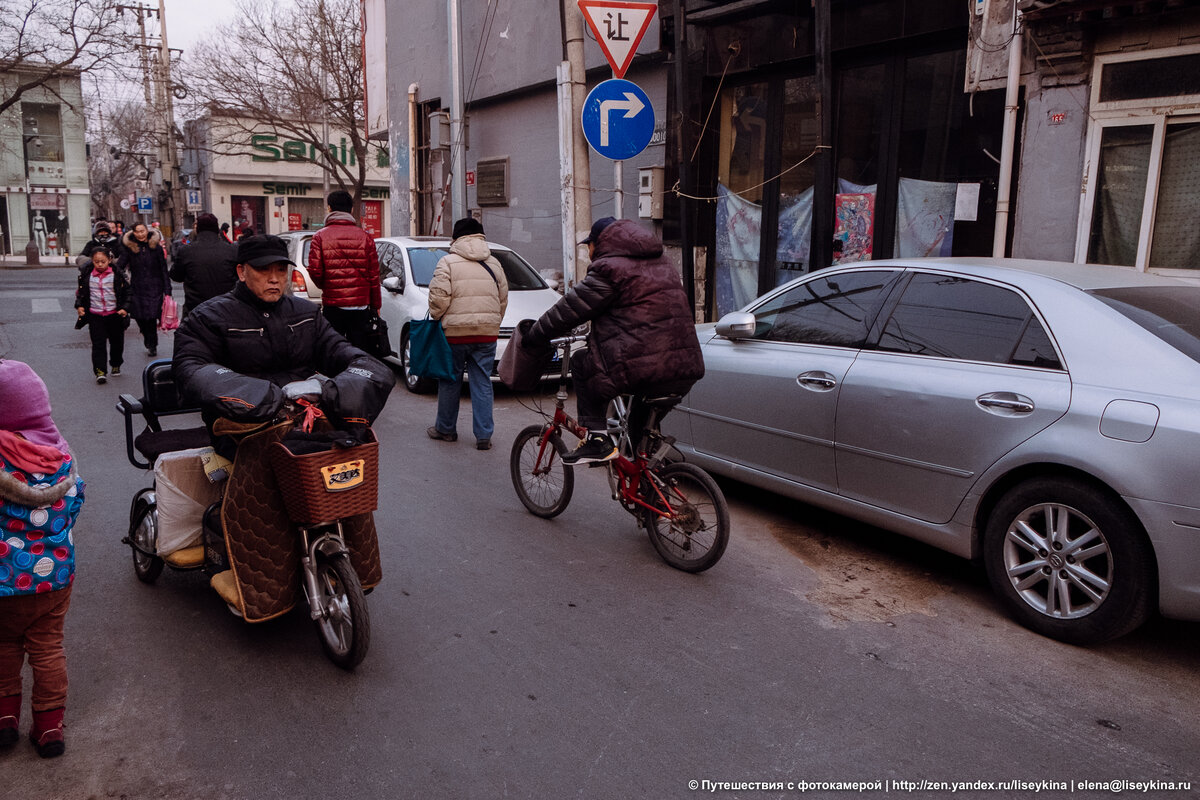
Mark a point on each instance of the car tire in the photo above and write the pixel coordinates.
(1069, 561)
(411, 382)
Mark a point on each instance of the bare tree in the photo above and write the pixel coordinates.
(122, 148)
(281, 69)
(43, 40)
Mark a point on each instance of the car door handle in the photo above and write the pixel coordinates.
(816, 380)
(1006, 403)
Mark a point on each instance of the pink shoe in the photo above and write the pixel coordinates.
(47, 732)
(10, 717)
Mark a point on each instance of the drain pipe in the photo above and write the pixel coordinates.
(1012, 94)
(414, 177)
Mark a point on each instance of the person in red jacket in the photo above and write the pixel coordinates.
(344, 263)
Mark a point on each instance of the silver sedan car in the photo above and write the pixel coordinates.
(1041, 416)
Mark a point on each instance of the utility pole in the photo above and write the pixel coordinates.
(458, 160)
(573, 39)
(171, 163)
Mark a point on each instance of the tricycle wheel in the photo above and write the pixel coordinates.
(143, 535)
(342, 623)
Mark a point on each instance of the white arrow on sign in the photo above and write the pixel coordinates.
(631, 105)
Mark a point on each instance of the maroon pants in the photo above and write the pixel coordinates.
(33, 624)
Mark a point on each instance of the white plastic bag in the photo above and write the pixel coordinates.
(183, 492)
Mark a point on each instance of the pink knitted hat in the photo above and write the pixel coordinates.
(25, 405)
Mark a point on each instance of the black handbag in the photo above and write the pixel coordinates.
(378, 342)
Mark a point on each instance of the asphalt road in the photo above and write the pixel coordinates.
(519, 657)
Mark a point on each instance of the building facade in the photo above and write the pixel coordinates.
(792, 136)
(44, 194)
(250, 175)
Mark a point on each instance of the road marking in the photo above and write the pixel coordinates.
(46, 305)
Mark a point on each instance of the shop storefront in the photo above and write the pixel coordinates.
(272, 184)
(908, 153)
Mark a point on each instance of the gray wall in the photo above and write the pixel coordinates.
(513, 112)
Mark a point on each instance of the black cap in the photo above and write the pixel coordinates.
(206, 222)
(262, 251)
(597, 228)
(465, 227)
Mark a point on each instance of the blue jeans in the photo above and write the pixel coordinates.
(478, 359)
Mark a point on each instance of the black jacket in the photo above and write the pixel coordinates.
(83, 289)
(207, 267)
(112, 243)
(235, 352)
(643, 332)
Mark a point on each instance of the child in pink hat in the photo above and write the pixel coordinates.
(40, 498)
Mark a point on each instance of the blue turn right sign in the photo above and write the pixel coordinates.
(618, 119)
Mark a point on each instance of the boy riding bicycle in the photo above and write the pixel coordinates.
(643, 334)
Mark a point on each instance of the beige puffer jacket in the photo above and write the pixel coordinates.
(462, 294)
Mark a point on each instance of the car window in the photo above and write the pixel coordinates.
(423, 260)
(1172, 313)
(521, 276)
(304, 251)
(836, 310)
(390, 265)
(942, 315)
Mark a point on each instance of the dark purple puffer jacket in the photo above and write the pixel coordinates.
(643, 332)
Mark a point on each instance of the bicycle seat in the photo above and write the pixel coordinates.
(662, 402)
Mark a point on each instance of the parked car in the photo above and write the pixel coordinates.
(299, 243)
(1042, 417)
(406, 266)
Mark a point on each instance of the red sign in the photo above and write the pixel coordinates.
(372, 218)
(618, 27)
(295, 222)
(470, 177)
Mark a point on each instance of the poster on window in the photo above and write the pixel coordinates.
(295, 221)
(925, 218)
(853, 227)
(372, 218)
(739, 223)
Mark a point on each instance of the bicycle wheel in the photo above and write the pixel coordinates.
(143, 535)
(544, 486)
(343, 624)
(693, 537)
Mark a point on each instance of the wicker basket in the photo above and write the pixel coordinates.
(330, 485)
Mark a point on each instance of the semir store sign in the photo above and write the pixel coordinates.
(269, 147)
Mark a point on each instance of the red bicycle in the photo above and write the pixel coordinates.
(681, 507)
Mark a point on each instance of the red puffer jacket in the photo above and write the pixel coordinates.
(343, 262)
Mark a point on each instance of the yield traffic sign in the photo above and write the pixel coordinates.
(618, 120)
(618, 27)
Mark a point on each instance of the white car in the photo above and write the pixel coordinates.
(406, 266)
(299, 243)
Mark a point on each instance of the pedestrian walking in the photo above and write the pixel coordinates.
(469, 294)
(145, 264)
(102, 236)
(40, 498)
(206, 266)
(102, 300)
(343, 262)
(225, 232)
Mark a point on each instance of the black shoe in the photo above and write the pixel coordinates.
(100, 376)
(152, 351)
(116, 371)
(483, 444)
(597, 447)
(434, 433)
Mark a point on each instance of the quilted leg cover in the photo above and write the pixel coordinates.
(262, 541)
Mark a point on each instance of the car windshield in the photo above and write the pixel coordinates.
(1172, 313)
(521, 276)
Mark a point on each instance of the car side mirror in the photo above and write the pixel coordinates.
(736, 325)
(392, 284)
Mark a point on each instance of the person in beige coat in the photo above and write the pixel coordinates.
(469, 294)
